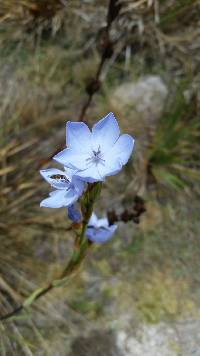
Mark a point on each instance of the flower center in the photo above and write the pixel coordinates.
(96, 158)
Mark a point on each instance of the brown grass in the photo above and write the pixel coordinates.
(46, 58)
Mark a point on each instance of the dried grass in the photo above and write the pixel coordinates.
(46, 57)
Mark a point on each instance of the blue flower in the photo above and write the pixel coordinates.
(97, 154)
(74, 214)
(98, 230)
(68, 188)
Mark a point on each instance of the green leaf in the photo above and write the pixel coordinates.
(32, 297)
(60, 282)
(168, 179)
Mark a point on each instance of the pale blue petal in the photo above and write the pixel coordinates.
(93, 220)
(60, 198)
(57, 178)
(105, 133)
(90, 174)
(111, 167)
(78, 136)
(78, 184)
(100, 235)
(56, 200)
(70, 158)
(117, 156)
(122, 149)
(71, 196)
(70, 172)
(103, 222)
(74, 214)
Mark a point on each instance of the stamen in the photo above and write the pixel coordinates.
(96, 158)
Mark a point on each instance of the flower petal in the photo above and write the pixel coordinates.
(71, 196)
(78, 136)
(60, 199)
(69, 172)
(103, 222)
(74, 214)
(122, 149)
(72, 159)
(56, 200)
(93, 220)
(100, 235)
(78, 185)
(57, 178)
(90, 174)
(105, 133)
(111, 167)
(117, 156)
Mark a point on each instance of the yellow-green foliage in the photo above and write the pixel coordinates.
(161, 296)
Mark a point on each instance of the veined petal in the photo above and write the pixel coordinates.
(72, 159)
(69, 172)
(105, 133)
(60, 198)
(117, 156)
(56, 200)
(111, 167)
(122, 149)
(78, 184)
(71, 196)
(90, 174)
(78, 136)
(57, 178)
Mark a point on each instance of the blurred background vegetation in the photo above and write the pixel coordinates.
(148, 56)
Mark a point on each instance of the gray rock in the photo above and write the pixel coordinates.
(145, 97)
(188, 332)
(150, 340)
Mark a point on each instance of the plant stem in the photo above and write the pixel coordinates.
(79, 253)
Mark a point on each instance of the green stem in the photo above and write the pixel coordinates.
(78, 255)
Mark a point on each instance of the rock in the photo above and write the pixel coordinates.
(167, 339)
(145, 97)
(181, 338)
(150, 340)
(188, 331)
